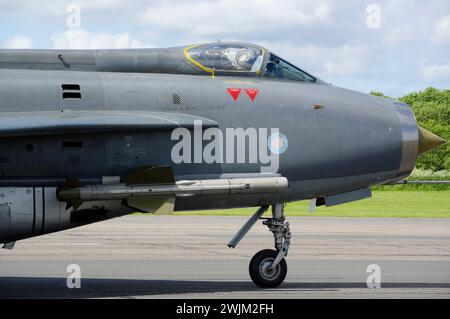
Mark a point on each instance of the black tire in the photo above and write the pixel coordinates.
(261, 275)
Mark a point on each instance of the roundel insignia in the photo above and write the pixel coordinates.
(278, 143)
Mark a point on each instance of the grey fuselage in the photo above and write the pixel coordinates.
(351, 141)
(338, 140)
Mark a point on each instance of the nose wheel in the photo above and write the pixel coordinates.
(268, 267)
(262, 271)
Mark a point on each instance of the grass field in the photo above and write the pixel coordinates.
(420, 204)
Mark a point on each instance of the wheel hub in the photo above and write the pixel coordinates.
(267, 271)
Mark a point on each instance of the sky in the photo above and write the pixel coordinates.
(392, 46)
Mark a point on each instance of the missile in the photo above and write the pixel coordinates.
(121, 191)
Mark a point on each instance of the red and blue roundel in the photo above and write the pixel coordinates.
(278, 143)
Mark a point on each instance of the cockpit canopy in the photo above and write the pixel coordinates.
(245, 60)
(227, 57)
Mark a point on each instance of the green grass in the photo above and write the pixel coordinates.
(420, 204)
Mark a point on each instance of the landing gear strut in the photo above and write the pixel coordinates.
(268, 267)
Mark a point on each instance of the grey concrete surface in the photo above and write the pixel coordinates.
(187, 257)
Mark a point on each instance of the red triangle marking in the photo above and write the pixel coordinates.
(252, 93)
(234, 93)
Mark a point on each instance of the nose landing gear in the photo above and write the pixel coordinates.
(268, 267)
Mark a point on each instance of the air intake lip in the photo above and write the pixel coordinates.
(410, 139)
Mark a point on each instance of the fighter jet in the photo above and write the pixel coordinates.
(89, 135)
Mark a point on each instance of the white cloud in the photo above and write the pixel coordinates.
(82, 39)
(432, 72)
(18, 42)
(58, 7)
(347, 60)
(345, 67)
(399, 35)
(212, 18)
(442, 30)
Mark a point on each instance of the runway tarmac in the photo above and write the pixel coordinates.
(187, 257)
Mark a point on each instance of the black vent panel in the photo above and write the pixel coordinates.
(75, 87)
(71, 95)
(176, 99)
(71, 91)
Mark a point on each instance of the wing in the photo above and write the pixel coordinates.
(55, 122)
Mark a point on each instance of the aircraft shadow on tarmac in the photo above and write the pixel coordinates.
(35, 287)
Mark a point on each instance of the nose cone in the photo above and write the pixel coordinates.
(428, 141)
